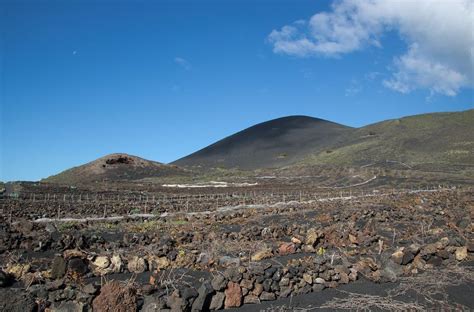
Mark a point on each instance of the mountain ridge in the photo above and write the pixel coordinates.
(434, 138)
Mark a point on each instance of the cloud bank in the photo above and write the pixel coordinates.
(439, 35)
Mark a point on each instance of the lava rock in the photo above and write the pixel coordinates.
(175, 302)
(408, 257)
(397, 256)
(58, 267)
(287, 249)
(461, 253)
(77, 265)
(246, 283)
(233, 274)
(267, 296)
(203, 300)
(219, 282)
(217, 301)
(312, 237)
(233, 295)
(137, 265)
(189, 293)
(100, 265)
(115, 297)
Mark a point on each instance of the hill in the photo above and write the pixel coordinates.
(273, 143)
(115, 167)
(437, 138)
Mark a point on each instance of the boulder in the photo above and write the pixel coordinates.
(101, 265)
(443, 254)
(312, 237)
(343, 278)
(116, 263)
(390, 272)
(319, 280)
(217, 301)
(435, 261)
(461, 253)
(251, 299)
(115, 297)
(286, 292)
(160, 263)
(189, 293)
(219, 282)
(287, 249)
(77, 266)
(58, 267)
(442, 243)
(308, 278)
(408, 257)
(267, 296)
(233, 274)
(246, 283)
(258, 289)
(175, 302)
(137, 265)
(397, 256)
(233, 295)
(353, 274)
(296, 240)
(203, 301)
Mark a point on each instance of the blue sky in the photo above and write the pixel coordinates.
(161, 79)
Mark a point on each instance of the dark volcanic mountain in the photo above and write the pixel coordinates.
(115, 167)
(269, 144)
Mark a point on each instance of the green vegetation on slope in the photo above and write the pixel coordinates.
(430, 138)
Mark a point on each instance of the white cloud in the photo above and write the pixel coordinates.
(439, 35)
(182, 62)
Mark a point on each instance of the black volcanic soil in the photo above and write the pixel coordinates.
(385, 250)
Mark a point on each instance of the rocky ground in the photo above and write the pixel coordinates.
(387, 251)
